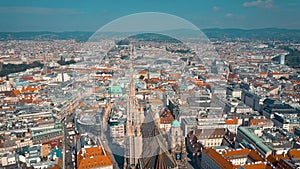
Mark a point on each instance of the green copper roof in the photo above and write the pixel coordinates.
(175, 123)
(46, 132)
(56, 152)
(255, 139)
(115, 90)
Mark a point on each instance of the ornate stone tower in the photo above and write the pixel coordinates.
(178, 148)
(133, 138)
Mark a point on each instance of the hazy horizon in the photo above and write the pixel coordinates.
(89, 16)
(212, 28)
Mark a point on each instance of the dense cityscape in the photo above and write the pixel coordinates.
(149, 90)
(238, 111)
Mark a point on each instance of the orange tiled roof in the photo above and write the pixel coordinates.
(37, 101)
(243, 153)
(279, 156)
(257, 166)
(276, 73)
(25, 101)
(296, 82)
(177, 76)
(222, 160)
(159, 89)
(16, 92)
(142, 72)
(254, 156)
(154, 80)
(81, 104)
(236, 153)
(170, 81)
(9, 108)
(294, 153)
(199, 82)
(155, 101)
(231, 121)
(271, 159)
(93, 157)
(29, 89)
(218, 159)
(257, 121)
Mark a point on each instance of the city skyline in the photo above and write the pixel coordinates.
(90, 16)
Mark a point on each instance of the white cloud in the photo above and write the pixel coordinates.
(260, 3)
(231, 15)
(216, 8)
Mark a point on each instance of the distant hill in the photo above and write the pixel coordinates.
(218, 34)
(154, 37)
(78, 36)
(258, 34)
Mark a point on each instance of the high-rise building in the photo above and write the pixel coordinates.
(282, 59)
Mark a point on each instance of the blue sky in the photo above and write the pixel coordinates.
(90, 15)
